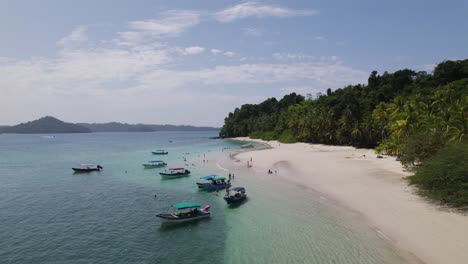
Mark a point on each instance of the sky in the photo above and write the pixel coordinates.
(193, 62)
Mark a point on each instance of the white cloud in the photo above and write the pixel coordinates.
(194, 50)
(255, 9)
(292, 56)
(76, 37)
(171, 23)
(229, 54)
(320, 38)
(127, 79)
(216, 51)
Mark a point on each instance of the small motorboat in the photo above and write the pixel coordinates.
(175, 172)
(88, 168)
(235, 195)
(186, 212)
(213, 183)
(160, 152)
(249, 145)
(154, 164)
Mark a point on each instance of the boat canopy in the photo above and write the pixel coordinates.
(155, 161)
(88, 165)
(160, 150)
(177, 169)
(209, 177)
(186, 205)
(218, 178)
(237, 189)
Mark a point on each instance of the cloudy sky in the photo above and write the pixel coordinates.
(192, 62)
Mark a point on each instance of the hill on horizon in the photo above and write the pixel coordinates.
(46, 125)
(49, 124)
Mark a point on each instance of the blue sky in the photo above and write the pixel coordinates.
(192, 62)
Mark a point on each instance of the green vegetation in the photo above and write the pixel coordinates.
(444, 177)
(406, 113)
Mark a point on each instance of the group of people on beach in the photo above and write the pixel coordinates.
(270, 171)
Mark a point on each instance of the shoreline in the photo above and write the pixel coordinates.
(375, 189)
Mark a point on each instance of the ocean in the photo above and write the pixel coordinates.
(49, 214)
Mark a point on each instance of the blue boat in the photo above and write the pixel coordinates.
(213, 183)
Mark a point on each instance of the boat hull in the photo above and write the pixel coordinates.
(175, 175)
(211, 187)
(235, 200)
(160, 153)
(153, 166)
(170, 176)
(85, 170)
(170, 218)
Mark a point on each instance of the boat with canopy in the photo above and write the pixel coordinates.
(213, 182)
(87, 168)
(154, 164)
(186, 212)
(175, 172)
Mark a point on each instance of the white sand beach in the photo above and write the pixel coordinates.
(374, 188)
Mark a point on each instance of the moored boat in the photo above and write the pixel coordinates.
(160, 152)
(154, 164)
(235, 195)
(88, 168)
(186, 212)
(175, 172)
(213, 183)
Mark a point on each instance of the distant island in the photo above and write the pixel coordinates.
(49, 125)
(45, 125)
(123, 127)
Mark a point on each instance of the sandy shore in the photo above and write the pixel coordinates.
(375, 188)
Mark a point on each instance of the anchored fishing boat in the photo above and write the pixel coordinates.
(175, 172)
(235, 195)
(160, 152)
(154, 164)
(88, 168)
(213, 183)
(186, 212)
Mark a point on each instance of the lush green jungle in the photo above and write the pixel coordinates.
(419, 117)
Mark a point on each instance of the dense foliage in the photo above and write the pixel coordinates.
(444, 177)
(408, 114)
(405, 113)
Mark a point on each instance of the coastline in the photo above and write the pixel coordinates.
(374, 188)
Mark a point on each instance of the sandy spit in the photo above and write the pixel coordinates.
(376, 189)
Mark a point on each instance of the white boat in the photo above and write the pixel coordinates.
(154, 164)
(175, 173)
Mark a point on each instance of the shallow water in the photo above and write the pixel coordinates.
(51, 215)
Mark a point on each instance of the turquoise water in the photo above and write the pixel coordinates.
(48, 214)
